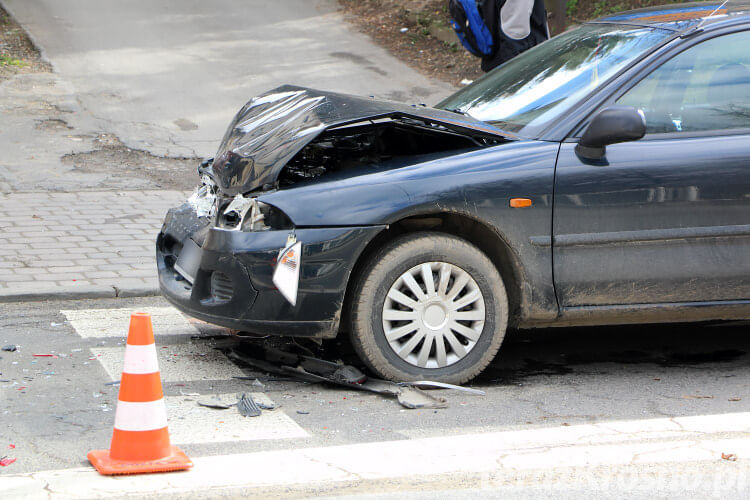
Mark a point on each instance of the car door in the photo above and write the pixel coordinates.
(664, 219)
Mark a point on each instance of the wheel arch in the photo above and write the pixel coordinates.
(484, 237)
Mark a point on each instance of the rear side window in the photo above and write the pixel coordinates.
(706, 87)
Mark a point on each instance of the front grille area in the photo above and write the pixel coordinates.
(221, 287)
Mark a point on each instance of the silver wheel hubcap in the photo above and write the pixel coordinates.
(433, 315)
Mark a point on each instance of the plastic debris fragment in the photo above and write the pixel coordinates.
(216, 404)
(442, 385)
(5, 461)
(349, 374)
(10, 348)
(417, 399)
(248, 407)
(264, 406)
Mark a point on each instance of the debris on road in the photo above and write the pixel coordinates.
(442, 385)
(265, 406)
(248, 407)
(302, 412)
(315, 370)
(734, 399)
(416, 399)
(46, 355)
(5, 461)
(10, 348)
(732, 457)
(215, 404)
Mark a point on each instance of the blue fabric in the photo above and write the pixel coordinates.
(481, 33)
(462, 39)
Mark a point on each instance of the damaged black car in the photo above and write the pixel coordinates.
(601, 177)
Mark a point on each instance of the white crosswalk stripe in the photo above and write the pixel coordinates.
(90, 323)
(177, 362)
(191, 424)
(193, 361)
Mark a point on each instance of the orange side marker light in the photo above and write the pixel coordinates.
(520, 202)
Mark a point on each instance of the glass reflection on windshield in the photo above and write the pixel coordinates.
(528, 92)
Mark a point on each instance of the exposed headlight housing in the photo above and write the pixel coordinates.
(249, 214)
(203, 199)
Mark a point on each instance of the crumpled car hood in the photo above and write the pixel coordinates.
(270, 129)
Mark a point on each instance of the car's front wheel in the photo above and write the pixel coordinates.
(428, 306)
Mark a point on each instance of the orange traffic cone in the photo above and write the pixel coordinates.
(140, 441)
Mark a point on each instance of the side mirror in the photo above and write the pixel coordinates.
(609, 126)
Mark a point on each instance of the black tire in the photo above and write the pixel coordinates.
(381, 272)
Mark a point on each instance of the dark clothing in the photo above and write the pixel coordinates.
(506, 20)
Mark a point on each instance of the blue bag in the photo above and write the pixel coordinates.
(472, 31)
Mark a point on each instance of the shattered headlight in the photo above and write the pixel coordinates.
(249, 214)
(203, 199)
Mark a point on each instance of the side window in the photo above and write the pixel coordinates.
(706, 87)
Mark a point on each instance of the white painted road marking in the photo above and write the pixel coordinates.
(114, 322)
(177, 363)
(188, 422)
(416, 461)
(191, 424)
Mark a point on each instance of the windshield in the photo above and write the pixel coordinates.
(528, 92)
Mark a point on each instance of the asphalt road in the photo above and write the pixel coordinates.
(56, 409)
(168, 76)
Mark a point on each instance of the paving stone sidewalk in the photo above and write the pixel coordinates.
(84, 244)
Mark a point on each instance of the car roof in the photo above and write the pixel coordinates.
(680, 17)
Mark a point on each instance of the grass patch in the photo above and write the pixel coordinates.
(6, 60)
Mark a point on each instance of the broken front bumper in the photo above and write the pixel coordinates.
(233, 286)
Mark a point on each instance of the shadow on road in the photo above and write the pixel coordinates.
(563, 351)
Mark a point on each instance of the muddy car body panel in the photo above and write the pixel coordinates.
(452, 185)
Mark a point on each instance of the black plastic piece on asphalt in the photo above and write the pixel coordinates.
(10, 348)
(310, 369)
(349, 374)
(264, 406)
(248, 407)
(215, 404)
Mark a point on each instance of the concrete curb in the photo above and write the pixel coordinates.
(83, 292)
